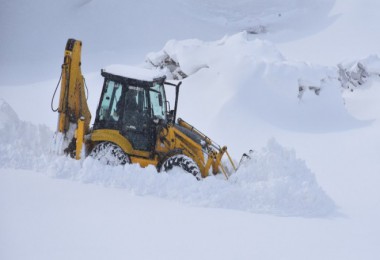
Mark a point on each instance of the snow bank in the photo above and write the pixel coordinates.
(280, 182)
(251, 79)
(22, 144)
(275, 182)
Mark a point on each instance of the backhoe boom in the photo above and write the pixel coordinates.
(73, 109)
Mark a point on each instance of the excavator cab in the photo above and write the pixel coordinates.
(133, 107)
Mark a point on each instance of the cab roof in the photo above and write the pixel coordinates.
(135, 73)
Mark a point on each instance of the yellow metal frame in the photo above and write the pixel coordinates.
(103, 135)
(169, 139)
(79, 135)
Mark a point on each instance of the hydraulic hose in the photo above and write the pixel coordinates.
(55, 91)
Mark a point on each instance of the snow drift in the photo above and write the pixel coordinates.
(22, 144)
(274, 182)
(250, 81)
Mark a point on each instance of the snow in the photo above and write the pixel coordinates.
(49, 219)
(122, 32)
(17, 136)
(274, 181)
(296, 81)
(134, 72)
(262, 75)
(352, 34)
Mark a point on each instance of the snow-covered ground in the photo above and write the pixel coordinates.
(311, 191)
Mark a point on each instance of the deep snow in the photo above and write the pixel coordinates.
(274, 181)
(46, 218)
(312, 189)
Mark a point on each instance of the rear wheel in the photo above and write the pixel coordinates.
(183, 162)
(109, 154)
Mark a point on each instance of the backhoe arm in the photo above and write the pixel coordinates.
(74, 116)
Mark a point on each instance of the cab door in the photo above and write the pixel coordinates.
(137, 124)
(108, 113)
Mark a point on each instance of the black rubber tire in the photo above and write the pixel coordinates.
(109, 154)
(183, 162)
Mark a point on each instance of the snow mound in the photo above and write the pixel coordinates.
(281, 183)
(275, 182)
(8, 117)
(23, 145)
(251, 78)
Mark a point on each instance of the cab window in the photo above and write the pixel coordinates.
(108, 108)
(157, 101)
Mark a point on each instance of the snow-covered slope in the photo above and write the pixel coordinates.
(250, 80)
(352, 35)
(310, 192)
(122, 32)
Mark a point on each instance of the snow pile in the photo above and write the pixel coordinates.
(275, 182)
(23, 145)
(251, 78)
(281, 183)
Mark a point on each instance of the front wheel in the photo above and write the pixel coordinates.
(109, 154)
(183, 162)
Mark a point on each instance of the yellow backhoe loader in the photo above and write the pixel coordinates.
(133, 122)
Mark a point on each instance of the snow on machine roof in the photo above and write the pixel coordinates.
(134, 72)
